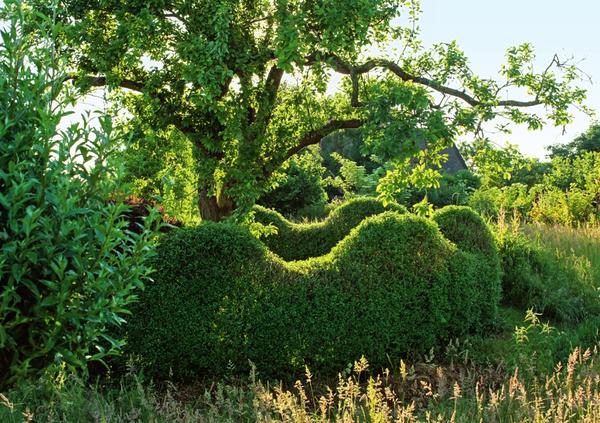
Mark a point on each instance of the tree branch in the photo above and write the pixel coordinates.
(340, 66)
(315, 136)
(272, 84)
(100, 81)
(268, 98)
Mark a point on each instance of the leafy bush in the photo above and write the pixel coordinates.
(68, 267)
(569, 194)
(299, 241)
(352, 179)
(513, 200)
(505, 166)
(453, 190)
(220, 298)
(534, 277)
(568, 208)
(159, 165)
(348, 144)
(301, 185)
(467, 229)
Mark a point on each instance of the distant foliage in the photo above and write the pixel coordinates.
(453, 189)
(348, 144)
(567, 194)
(586, 142)
(515, 199)
(300, 184)
(569, 208)
(299, 241)
(393, 286)
(159, 165)
(352, 178)
(69, 268)
(499, 167)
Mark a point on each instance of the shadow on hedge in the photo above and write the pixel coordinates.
(396, 284)
(300, 241)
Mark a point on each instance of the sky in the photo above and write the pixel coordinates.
(484, 29)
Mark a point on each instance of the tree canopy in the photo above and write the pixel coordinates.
(246, 82)
(589, 141)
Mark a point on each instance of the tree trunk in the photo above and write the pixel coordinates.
(213, 208)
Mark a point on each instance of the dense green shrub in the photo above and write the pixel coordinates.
(220, 298)
(516, 199)
(502, 166)
(453, 189)
(568, 194)
(300, 185)
(463, 226)
(534, 277)
(352, 179)
(68, 267)
(299, 241)
(349, 144)
(570, 208)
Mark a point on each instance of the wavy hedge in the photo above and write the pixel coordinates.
(394, 285)
(481, 296)
(299, 241)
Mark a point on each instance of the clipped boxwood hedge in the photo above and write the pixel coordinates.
(394, 285)
(480, 271)
(299, 241)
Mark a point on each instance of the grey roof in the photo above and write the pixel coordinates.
(455, 161)
(347, 142)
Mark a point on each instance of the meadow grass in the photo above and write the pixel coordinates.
(425, 393)
(580, 245)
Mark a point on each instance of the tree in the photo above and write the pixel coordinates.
(589, 141)
(245, 81)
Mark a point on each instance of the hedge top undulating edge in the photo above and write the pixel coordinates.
(299, 241)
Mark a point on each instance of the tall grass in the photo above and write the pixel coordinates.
(580, 246)
(571, 393)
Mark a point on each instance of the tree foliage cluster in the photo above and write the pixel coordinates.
(338, 166)
(245, 82)
(587, 142)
